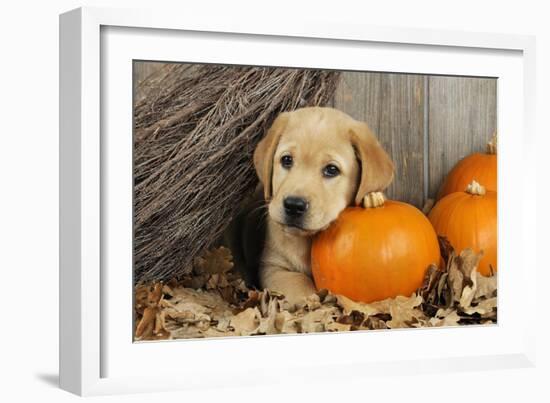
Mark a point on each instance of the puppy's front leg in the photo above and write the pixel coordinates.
(294, 285)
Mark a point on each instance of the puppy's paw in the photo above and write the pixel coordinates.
(296, 300)
(311, 301)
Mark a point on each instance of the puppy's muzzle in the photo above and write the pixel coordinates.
(295, 208)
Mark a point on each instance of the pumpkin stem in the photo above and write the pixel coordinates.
(492, 145)
(374, 199)
(475, 188)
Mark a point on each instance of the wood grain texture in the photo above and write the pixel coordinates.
(462, 119)
(393, 107)
(143, 69)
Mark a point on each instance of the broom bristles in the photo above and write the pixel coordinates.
(196, 127)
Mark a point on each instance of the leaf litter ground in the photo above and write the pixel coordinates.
(214, 301)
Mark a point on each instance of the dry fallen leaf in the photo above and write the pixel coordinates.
(486, 286)
(445, 317)
(214, 261)
(483, 307)
(349, 306)
(376, 322)
(402, 311)
(141, 298)
(435, 290)
(455, 277)
(337, 327)
(315, 321)
(151, 323)
(267, 323)
(246, 322)
(469, 261)
(214, 301)
(428, 205)
(445, 248)
(146, 325)
(285, 322)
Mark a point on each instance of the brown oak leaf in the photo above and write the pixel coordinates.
(215, 261)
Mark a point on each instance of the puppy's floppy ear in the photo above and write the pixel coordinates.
(265, 150)
(376, 165)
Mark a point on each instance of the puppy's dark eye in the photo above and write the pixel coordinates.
(330, 171)
(286, 161)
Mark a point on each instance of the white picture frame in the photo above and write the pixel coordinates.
(97, 45)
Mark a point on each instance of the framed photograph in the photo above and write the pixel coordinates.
(239, 196)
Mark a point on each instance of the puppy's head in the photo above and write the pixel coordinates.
(313, 163)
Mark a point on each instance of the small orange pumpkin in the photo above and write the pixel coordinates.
(481, 167)
(373, 253)
(469, 220)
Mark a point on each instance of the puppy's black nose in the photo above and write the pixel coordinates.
(295, 206)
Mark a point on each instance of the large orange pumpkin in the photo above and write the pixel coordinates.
(469, 220)
(373, 253)
(481, 167)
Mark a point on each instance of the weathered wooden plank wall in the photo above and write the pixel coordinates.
(393, 107)
(426, 123)
(462, 119)
(144, 69)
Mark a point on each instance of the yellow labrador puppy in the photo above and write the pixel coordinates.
(313, 163)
